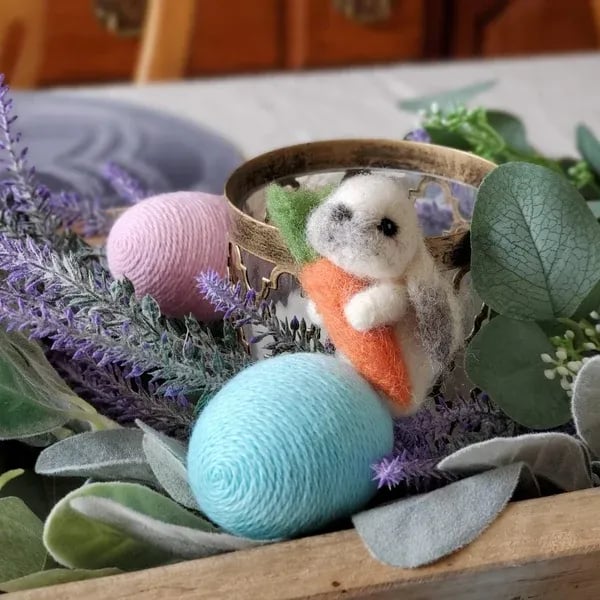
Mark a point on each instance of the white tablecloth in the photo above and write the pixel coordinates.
(258, 113)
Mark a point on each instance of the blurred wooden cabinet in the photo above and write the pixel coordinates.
(235, 36)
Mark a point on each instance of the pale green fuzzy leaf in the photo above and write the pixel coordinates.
(167, 459)
(21, 550)
(34, 399)
(179, 541)
(557, 457)
(113, 454)
(504, 360)
(588, 146)
(535, 243)
(53, 577)
(447, 99)
(424, 528)
(586, 404)
(78, 541)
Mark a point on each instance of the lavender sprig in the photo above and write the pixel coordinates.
(128, 187)
(243, 308)
(90, 316)
(423, 439)
(125, 399)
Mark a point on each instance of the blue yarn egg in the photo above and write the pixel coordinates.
(287, 447)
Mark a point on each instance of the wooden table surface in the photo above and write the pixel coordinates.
(259, 113)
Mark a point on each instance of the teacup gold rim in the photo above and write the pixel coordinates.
(264, 241)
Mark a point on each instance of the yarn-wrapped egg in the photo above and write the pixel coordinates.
(286, 447)
(163, 243)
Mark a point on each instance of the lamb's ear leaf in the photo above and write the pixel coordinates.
(53, 577)
(112, 454)
(557, 457)
(167, 459)
(116, 531)
(288, 210)
(424, 528)
(585, 404)
(21, 551)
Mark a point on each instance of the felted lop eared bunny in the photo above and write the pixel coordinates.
(377, 291)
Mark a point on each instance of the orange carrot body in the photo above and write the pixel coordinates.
(375, 354)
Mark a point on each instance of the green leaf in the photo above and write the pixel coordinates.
(535, 243)
(8, 476)
(76, 540)
(181, 542)
(21, 551)
(34, 399)
(289, 209)
(447, 99)
(167, 459)
(504, 360)
(451, 139)
(589, 147)
(53, 577)
(110, 454)
(511, 129)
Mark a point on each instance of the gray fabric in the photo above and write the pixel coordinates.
(112, 454)
(586, 404)
(182, 542)
(71, 137)
(422, 529)
(559, 458)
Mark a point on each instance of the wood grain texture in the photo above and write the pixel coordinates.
(319, 35)
(237, 36)
(512, 27)
(22, 25)
(547, 548)
(166, 40)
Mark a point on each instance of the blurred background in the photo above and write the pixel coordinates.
(71, 42)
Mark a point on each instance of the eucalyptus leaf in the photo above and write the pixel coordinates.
(53, 577)
(535, 243)
(422, 529)
(114, 454)
(21, 551)
(167, 459)
(511, 128)
(594, 206)
(181, 542)
(447, 99)
(504, 360)
(586, 404)
(589, 147)
(76, 540)
(557, 457)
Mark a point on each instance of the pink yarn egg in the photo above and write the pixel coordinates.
(163, 243)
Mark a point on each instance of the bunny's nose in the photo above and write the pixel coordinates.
(341, 213)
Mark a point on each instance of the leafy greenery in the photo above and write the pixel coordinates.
(78, 540)
(447, 99)
(535, 244)
(504, 359)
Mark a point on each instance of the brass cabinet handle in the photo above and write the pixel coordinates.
(121, 17)
(365, 11)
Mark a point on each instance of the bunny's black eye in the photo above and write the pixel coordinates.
(387, 227)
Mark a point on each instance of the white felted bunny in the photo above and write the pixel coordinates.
(377, 289)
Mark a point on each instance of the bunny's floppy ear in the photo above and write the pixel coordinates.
(289, 210)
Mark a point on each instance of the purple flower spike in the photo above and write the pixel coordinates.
(434, 218)
(128, 187)
(418, 135)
